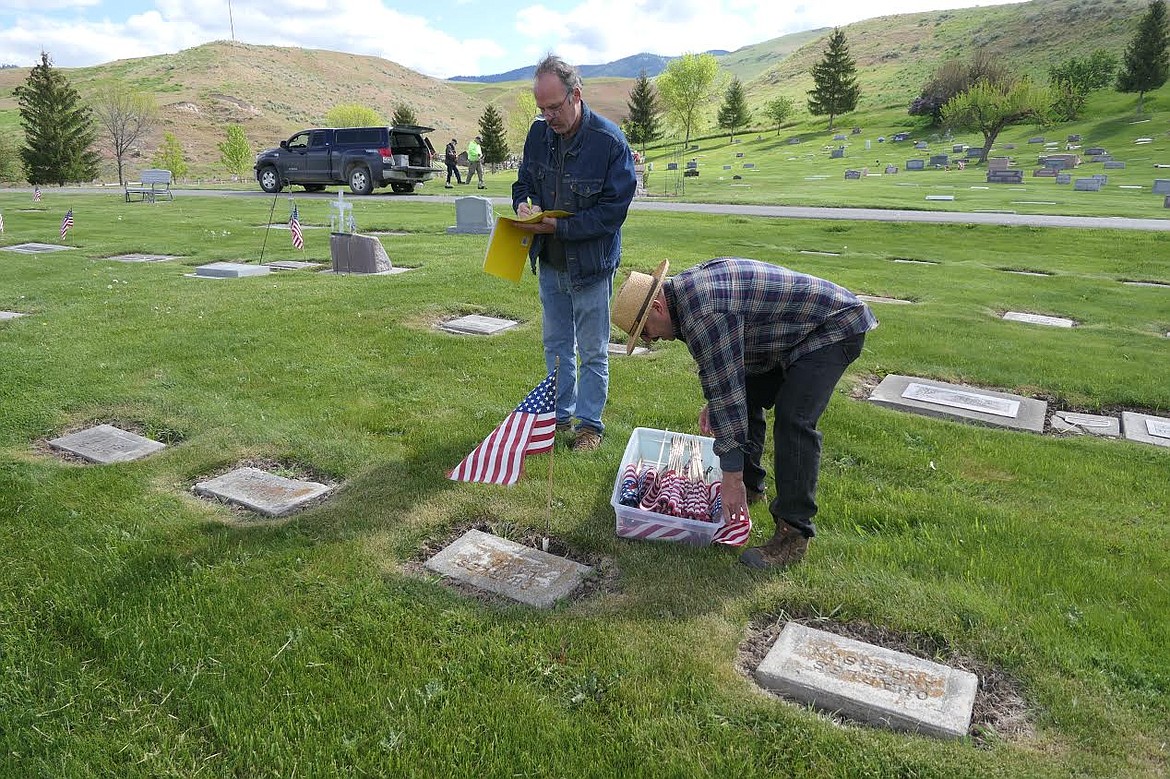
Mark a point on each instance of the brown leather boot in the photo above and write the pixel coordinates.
(787, 547)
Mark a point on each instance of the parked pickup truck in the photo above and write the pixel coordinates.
(364, 157)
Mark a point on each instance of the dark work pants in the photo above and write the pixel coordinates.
(802, 395)
(453, 169)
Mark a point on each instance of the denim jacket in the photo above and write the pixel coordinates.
(597, 187)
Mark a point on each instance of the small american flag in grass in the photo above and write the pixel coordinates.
(530, 429)
(66, 222)
(36, 194)
(294, 227)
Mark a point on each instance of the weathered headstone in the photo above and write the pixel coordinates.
(1146, 428)
(353, 253)
(869, 683)
(955, 401)
(106, 444)
(852, 174)
(476, 324)
(837, 154)
(473, 215)
(1087, 185)
(262, 492)
(839, 137)
(1038, 319)
(1114, 164)
(1094, 424)
(939, 160)
(891, 169)
(229, 270)
(1063, 178)
(507, 568)
(915, 164)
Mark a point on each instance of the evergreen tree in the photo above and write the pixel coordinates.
(734, 113)
(1146, 63)
(835, 89)
(779, 110)
(642, 126)
(235, 153)
(495, 137)
(170, 156)
(403, 115)
(58, 129)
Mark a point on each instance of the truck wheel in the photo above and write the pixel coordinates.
(270, 180)
(402, 189)
(360, 181)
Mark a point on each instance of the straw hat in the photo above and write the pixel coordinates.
(631, 306)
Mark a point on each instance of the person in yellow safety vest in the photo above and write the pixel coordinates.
(475, 160)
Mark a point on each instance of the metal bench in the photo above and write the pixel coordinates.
(151, 184)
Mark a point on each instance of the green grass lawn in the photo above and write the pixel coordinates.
(146, 632)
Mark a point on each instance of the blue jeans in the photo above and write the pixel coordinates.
(576, 324)
(801, 397)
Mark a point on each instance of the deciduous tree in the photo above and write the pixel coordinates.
(1073, 79)
(734, 113)
(235, 152)
(990, 106)
(686, 86)
(1146, 63)
(779, 110)
(352, 115)
(642, 124)
(954, 77)
(520, 120)
(126, 117)
(835, 89)
(59, 132)
(170, 156)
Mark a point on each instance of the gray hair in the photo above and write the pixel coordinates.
(564, 72)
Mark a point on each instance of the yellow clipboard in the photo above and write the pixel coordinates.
(507, 250)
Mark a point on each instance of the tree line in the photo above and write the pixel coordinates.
(982, 94)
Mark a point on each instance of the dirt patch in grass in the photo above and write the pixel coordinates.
(603, 580)
(1000, 712)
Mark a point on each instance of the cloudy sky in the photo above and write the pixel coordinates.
(440, 39)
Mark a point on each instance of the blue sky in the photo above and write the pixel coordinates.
(439, 39)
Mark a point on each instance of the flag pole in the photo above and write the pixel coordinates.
(548, 512)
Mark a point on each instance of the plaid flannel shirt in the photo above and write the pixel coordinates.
(743, 317)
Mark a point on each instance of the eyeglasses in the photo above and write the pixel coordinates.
(552, 111)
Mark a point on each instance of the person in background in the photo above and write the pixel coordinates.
(577, 161)
(451, 157)
(763, 336)
(475, 160)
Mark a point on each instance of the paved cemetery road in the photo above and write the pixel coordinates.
(784, 212)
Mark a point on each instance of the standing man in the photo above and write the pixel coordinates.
(475, 160)
(577, 161)
(451, 157)
(762, 336)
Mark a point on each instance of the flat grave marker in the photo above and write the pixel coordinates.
(135, 257)
(260, 491)
(908, 261)
(880, 299)
(36, 248)
(962, 403)
(1146, 284)
(228, 270)
(1094, 424)
(1146, 428)
(1029, 273)
(1038, 319)
(506, 568)
(476, 324)
(620, 349)
(292, 264)
(106, 444)
(869, 683)
(940, 197)
(4, 315)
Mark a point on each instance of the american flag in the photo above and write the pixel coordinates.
(735, 532)
(36, 194)
(1, 223)
(530, 429)
(294, 227)
(67, 222)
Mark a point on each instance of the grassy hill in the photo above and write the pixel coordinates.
(274, 91)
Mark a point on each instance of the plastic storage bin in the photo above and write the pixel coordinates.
(646, 444)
